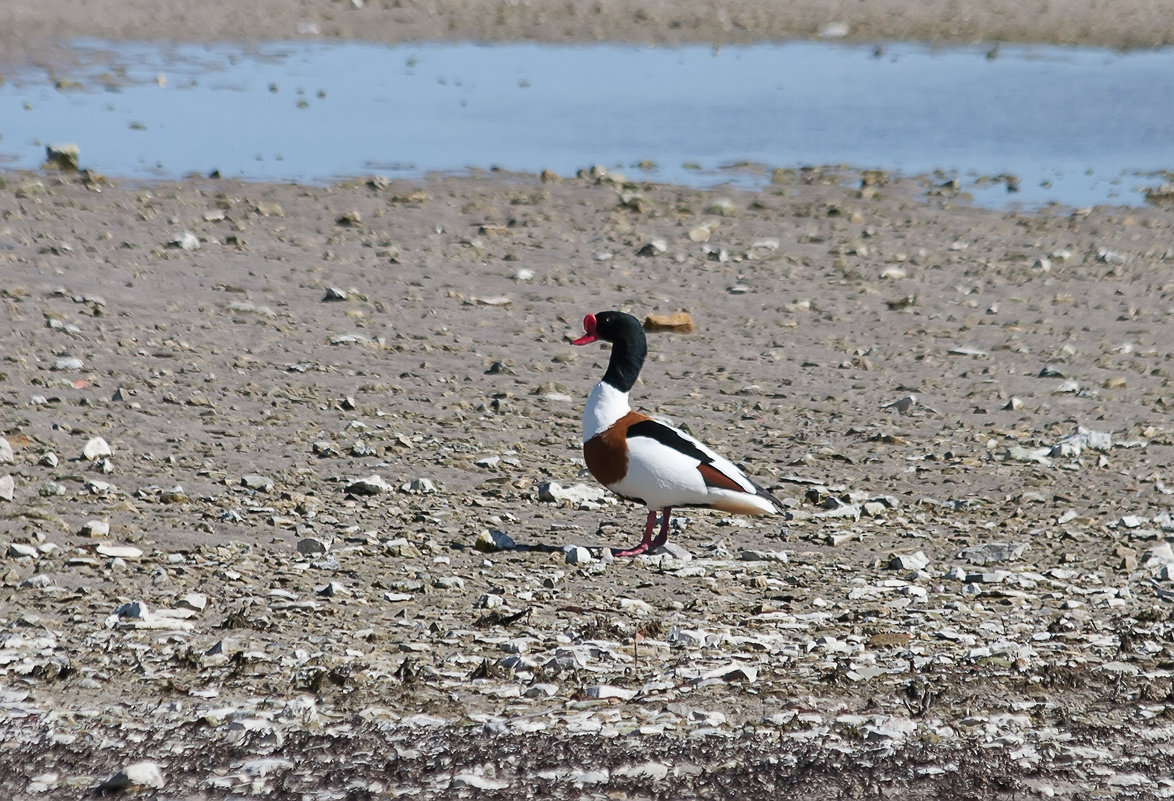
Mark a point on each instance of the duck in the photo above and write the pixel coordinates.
(646, 460)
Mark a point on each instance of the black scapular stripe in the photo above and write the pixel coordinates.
(667, 436)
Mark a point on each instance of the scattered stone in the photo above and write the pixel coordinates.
(325, 449)
(678, 322)
(992, 553)
(903, 405)
(133, 777)
(909, 561)
(419, 486)
(185, 240)
(259, 483)
(731, 673)
(38, 581)
(721, 206)
(95, 528)
(890, 728)
(313, 546)
(965, 350)
(65, 156)
(68, 363)
(334, 294)
(371, 485)
(834, 30)
(702, 232)
(476, 781)
(1018, 453)
(635, 606)
(22, 550)
(606, 691)
(6, 454)
(842, 510)
(196, 601)
(1110, 256)
(402, 548)
(28, 189)
(96, 448)
(119, 551)
(7, 488)
(578, 555)
(1160, 554)
(491, 540)
(247, 307)
(989, 577)
(764, 556)
(645, 772)
(175, 494)
(654, 247)
(577, 494)
(43, 782)
(1073, 445)
(673, 550)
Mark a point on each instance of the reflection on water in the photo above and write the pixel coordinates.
(1076, 126)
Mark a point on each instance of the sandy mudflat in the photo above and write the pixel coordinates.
(967, 412)
(27, 26)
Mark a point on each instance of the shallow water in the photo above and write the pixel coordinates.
(1075, 126)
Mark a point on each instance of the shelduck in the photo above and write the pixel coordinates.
(648, 461)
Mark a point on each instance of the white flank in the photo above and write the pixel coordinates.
(663, 476)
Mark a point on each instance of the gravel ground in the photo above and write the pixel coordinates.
(292, 503)
(324, 422)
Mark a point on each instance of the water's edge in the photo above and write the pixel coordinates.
(1025, 126)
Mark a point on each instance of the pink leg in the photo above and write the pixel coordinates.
(663, 536)
(646, 542)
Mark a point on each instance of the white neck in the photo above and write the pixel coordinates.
(605, 405)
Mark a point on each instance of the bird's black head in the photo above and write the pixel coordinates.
(629, 347)
(611, 326)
